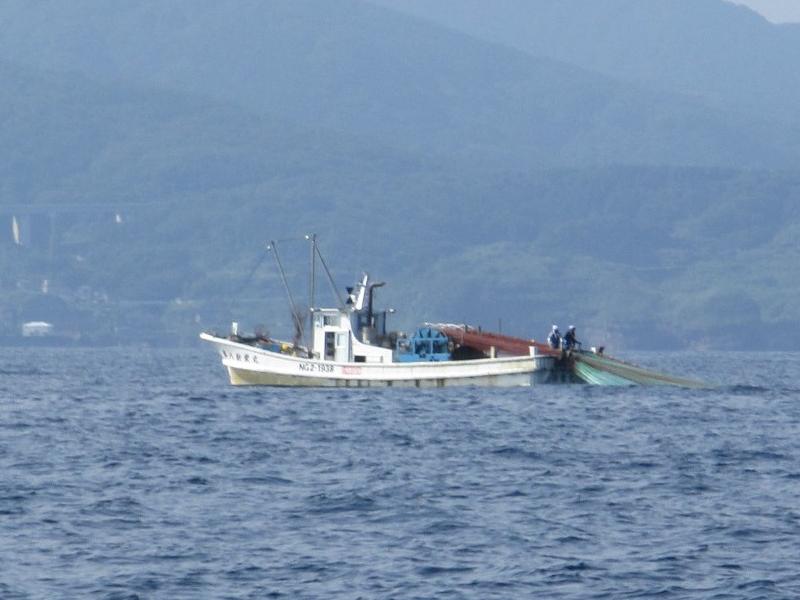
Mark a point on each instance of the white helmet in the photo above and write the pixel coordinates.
(572, 328)
(555, 327)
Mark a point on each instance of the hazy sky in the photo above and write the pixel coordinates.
(778, 11)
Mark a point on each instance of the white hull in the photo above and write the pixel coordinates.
(250, 365)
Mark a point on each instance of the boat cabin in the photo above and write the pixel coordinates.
(335, 340)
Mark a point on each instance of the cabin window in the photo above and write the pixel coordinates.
(359, 358)
(330, 320)
(330, 349)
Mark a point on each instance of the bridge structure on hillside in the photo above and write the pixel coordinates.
(35, 224)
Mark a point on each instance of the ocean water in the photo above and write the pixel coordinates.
(133, 473)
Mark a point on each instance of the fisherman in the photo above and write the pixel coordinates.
(570, 341)
(554, 339)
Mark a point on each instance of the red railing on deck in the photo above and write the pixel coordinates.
(486, 340)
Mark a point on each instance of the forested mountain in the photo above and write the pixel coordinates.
(353, 66)
(150, 150)
(716, 51)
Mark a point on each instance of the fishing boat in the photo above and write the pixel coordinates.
(349, 345)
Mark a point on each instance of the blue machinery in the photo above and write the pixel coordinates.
(427, 344)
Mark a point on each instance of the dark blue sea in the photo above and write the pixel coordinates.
(134, 473)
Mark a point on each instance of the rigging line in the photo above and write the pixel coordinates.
(295, 316)
(291, 239)
(248, 279)
(334, 289)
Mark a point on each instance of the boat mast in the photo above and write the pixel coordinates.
(313, 280)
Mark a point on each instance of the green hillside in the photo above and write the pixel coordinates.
(483, 184)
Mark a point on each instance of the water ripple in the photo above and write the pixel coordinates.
(154, 479)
